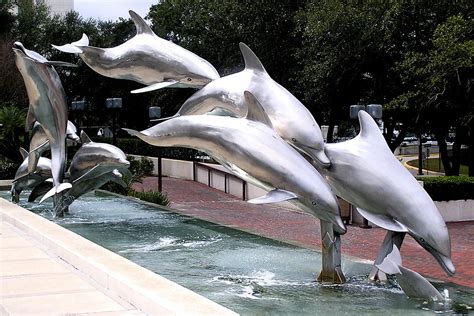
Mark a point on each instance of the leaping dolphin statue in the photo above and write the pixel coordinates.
(147, 59)
(39, 142)
(251, 149)
(26, 180)
(411, 282)
(95, 159)
(290, 118)
(47, 106)
(365, 173)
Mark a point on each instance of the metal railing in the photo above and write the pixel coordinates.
(227, 176)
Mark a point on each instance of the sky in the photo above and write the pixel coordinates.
(112, 9)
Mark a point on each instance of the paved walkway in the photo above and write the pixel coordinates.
(284, 224)
(35, 282)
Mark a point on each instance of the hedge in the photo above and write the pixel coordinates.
(449, 188)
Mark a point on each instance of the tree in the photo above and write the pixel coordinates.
(12, 131)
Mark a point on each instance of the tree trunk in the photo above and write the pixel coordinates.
(456, 158)
(399, 139)
(471, 149)
(443, 151)
(330, 136)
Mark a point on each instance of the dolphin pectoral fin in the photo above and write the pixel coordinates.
(416, 286)
(30, 119)
(119, 181)
(391, 263)
(383, 221)
(69, 48)
(91, 173)
(40, 147)
(155, 86)
(55, 190)
(61, 64)
(274, 196)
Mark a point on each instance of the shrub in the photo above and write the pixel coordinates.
(8, 169)
(156, 197)
(449, 188)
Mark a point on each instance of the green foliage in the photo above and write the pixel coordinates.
(449, 188)
(12, 131)
(156, 197)
(8, 169)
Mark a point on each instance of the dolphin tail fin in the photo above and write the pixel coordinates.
(392, 262)
(73, 47)
(133, 132)
(56, 190)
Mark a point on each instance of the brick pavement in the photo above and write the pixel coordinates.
(297, 228)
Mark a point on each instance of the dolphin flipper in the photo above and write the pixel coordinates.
(23, 153)
(274, 196)
(391, 263)
(91, 173)
(30, 119)
(383, 221)
(55, 190)
(156, 86)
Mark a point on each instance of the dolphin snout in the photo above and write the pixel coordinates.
(124, 162)
(319, 156)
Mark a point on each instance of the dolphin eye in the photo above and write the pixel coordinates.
(422, 240)
(314, 202)
(293, 139)
(189, 79)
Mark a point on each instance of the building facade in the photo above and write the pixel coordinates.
(60, 7)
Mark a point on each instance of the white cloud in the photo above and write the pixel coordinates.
(112, 9)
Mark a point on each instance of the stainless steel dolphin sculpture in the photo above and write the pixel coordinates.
(47, 106)
(251, 149)
(93, 160)
(411, 282)
(289, 117)
(27, 180)
(147, 59)
(365, 173)
(39, 142)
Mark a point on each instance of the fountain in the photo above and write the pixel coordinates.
(247, 142)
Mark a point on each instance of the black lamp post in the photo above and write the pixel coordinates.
(113, 104)
(154, 112)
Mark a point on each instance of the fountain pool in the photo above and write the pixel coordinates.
(244, 272)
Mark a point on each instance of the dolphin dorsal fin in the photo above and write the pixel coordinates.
(255, 111)
(140, 24)
(250, 59)
(84, 138)
(368, 127)
(23, 153)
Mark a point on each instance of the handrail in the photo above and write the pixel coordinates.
(227, 176)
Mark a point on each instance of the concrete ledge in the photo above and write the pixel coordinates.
(456, 210)
(5, 185)
(140, 287)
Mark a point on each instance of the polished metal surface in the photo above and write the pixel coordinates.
(412, 283)
(47, 106)
(95, 159)
(290, 118)
(251, 149)
(39, 142)
(147, 59)
(365, 173)
(26, 180)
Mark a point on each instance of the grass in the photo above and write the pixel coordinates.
(434, 164)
